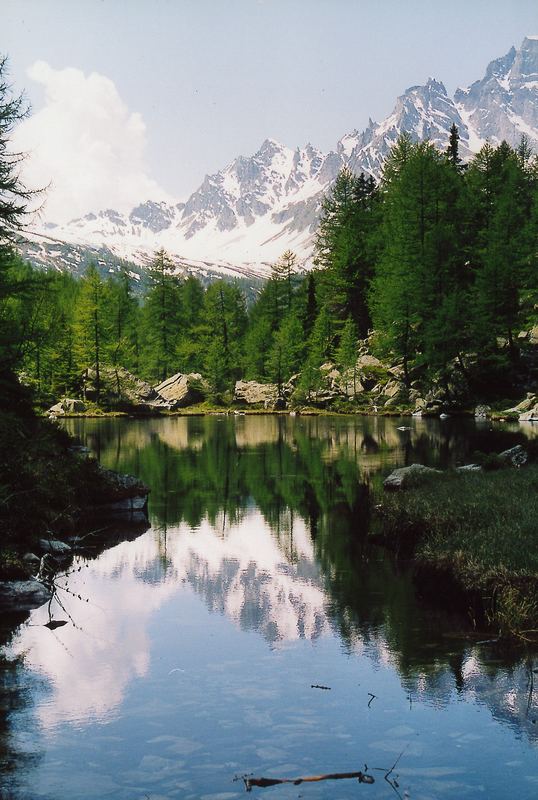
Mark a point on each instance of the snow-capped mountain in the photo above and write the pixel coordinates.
(242, 218)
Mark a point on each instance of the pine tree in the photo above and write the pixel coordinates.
(344, 249)
(225, 324)
(283, 273)
(91, 334)
(503, 190)
(286, 354)
(14, 198)
(420, 265)
(453, 148)
(346, 352)
(161, 320)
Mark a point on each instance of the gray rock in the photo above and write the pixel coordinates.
(23, 595)
(482, 412)
(527, 405)
(121, 494)
(529, 416)
(68, 405)
(516, 456)
(180, 391)
(253, 393)
(405, 477)
(31, 560)
(120, 386)
(55, 547)
(469, 468)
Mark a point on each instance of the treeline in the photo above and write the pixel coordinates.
(439, 260)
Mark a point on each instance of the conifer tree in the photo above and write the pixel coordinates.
(161, 319)
(91, 334)
(346, 352)
(344, 249)
(14, 197)
(286, 354)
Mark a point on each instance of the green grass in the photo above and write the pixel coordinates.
(483, 528)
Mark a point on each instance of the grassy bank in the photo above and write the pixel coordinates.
(481, 530)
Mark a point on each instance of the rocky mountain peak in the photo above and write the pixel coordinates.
(244, 216)
(504, 103)
(525, 66)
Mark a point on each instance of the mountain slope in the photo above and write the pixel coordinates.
(242, 218)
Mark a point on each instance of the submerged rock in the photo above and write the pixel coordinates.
(23, 595)
(119, 494)
(404, 477)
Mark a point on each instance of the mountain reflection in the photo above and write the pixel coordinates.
(263, 519)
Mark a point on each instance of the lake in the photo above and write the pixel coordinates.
(250, 629)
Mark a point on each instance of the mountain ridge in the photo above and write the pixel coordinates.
(241, 218)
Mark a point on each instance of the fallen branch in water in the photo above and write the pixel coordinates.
(362, 777)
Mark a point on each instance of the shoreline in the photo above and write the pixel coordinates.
(472, 541)
(300, 412)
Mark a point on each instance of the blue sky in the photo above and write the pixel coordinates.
(202, 81)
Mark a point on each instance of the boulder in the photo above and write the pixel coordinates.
(405, 477)
(117, 494)
(67, 405)
(31, 561)
(180, 390)
(55, 547)
(366, 360)
(482, 412)
(122, 387)
(516, 456)
(526, 405)
(469, 468)
(253, 393)
(530, 416)
(23, 595)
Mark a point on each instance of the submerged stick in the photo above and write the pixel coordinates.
(362, 777)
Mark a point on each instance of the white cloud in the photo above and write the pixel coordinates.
(86, 143)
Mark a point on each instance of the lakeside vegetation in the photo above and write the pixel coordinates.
(433, 270)
(478, 531)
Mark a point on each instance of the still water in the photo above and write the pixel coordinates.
(192, 653)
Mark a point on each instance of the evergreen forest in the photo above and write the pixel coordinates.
(436, 266)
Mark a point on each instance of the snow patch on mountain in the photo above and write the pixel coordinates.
(243, 217)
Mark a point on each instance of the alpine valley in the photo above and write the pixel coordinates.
(242, 218)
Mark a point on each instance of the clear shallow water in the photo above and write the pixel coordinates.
(191, 651)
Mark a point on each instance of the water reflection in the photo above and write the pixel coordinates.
(257, 538)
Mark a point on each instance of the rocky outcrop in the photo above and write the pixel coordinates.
(120, 387)
(406, 477)
(252, 393)
(482, 412)
(67, 405)
(527, 410)
(180, 391)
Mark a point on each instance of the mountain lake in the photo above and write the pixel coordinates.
(248, 629)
